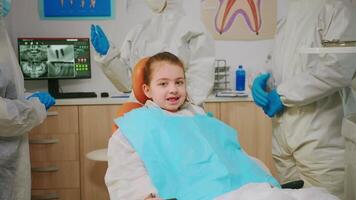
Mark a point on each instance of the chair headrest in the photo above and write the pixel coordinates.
(138, 81)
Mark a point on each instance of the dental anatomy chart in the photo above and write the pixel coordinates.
(240, 19)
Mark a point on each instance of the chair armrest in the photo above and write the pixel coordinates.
(293, 185)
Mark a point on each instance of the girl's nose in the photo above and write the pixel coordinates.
(173, 88)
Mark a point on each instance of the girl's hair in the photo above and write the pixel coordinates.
(159, 57)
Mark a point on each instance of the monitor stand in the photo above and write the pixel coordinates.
(53, 89)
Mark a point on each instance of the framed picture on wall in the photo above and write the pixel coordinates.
(73, 9)
(240, 20)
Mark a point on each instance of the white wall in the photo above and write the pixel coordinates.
(24, 21)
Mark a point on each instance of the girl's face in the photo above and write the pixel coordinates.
(167, 86)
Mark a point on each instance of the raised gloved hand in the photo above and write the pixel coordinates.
(46, 99)
(259, 94)
(5, 7)
(99, 40)
(275, 104)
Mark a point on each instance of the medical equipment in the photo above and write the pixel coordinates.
(221, 82)
(240, 76)
(53, 59)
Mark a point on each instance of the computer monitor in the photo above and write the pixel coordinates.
(53, 59)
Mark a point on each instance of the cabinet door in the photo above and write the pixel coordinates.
(95, 129)
(213, 107)
(62, 194)
(60, 120)
(254, 128)
(54, 152)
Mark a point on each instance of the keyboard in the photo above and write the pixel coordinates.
(74, 95)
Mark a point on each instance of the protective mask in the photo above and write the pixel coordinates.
(5, 6)
(157, 5)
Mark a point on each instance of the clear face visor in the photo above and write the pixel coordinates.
(157, 5)
(335, 47)
(345, 50)
(338, 43)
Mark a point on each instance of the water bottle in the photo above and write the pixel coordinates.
(240, 78)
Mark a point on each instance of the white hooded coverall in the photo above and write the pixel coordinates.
(349, 132)
(171, 31)
(307, 141)
(337, 77)
(17, 117)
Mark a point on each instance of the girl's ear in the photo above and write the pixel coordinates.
(146, 90)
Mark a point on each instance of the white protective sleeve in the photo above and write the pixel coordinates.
(326, 73)
(18, 117)
(115, 68)
(126, 177)
(200, 70)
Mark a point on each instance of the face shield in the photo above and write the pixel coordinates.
(157, 5)
(5, 6)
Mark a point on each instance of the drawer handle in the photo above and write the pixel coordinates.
(52, 168)
(45, 196)
(44, 141)
(52, 113)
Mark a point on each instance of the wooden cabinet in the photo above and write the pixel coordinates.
(58, 147)
(95, 126)
(54, 153)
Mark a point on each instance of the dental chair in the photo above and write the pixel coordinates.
(137, 82)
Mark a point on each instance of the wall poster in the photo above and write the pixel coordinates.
(240, 20)
(76, 8)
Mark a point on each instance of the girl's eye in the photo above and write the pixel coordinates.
(180, 82)
(162, 84)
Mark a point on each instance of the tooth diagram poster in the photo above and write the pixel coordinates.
(240, 19)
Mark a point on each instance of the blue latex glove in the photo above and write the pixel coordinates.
(46, 99)
(6, 5)
(275, 104)
(99, 40)
(259, 94)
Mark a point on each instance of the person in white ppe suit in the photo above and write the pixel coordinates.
(348, 131)
(18, 115)
(307, 110)
(340, 77)
(169, 29)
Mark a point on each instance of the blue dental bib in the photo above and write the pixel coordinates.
(190, 157)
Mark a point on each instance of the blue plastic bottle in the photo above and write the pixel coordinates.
(240, 78)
